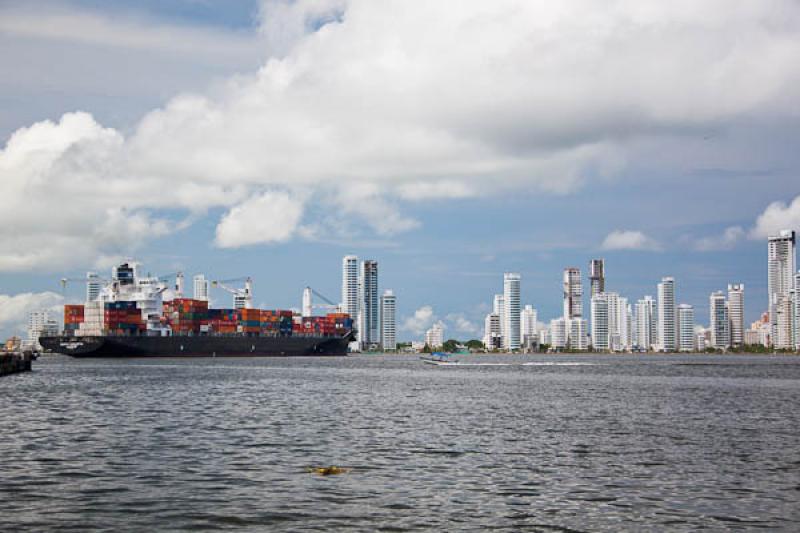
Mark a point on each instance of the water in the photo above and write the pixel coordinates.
(607, 444)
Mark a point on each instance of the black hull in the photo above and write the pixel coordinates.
(199, 346)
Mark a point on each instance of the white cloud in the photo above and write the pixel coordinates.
(366, 103)
(462, 324)
(776, 217)
(270, 217)
(629, 240)
(729, 238)
(421, 321)
(14, 309)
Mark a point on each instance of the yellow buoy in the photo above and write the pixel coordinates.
(327, 470)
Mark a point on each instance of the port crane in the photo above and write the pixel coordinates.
(309, 305)
(65, 281)
(242, 297)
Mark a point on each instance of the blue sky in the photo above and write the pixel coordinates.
(270, 139)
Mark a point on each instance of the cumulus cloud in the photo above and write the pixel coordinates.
(14, 309)
(421, 321)
(776, 217)
(629, 240)
(729, 238)
(270, 217)
(366, 104)
(462, 324)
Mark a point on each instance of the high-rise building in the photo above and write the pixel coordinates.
(511, 302)
(578, 334)
(618, 322)
(573, 293)
(369, 334)
(597, 276)
(349, 303)
(434, 337)
(600, 322)
(719, 321)
(781, 265)
(92, 286)
(736, 312)
(388, 321)
(528, 325)
(686, 334)
(558, 333)
(795, 297)
(40, 324)
(492, 338)
(200, 287)
(667, 331)
(646, 327)
(499, 308)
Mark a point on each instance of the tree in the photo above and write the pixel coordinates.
(450, 345)
(474, 344)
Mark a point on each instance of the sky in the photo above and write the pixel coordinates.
(451, 142)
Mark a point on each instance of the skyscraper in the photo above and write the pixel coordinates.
(200, 287)
(781, 266)
(686, 336)
(92, 286)
(597, 276)
(719, 320)
(528, 325)
(389, 321)
(667, 332)
(646, 329)
(511, 302)
(573, 293)
(350, 286)
(434, 337)
(600, 322)
(368, 305)
(736, 312)
(499, 308)
(492, 338)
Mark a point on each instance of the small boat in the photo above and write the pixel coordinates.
(439, 359)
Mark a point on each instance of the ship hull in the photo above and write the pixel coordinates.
(195, 346)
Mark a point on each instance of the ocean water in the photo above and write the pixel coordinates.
(528, 443)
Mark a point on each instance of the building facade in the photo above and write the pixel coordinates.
(597, 276)
(492, 337)
(573, 293)
(781, 266)
(686, 335)
(349, 303)
(600, 322)
(667, 330)
(434, 337)
(511, 302)
(736, 313)
(389, 321)
(646, 327)
(368, 317)
(719, 321)
(200, 287)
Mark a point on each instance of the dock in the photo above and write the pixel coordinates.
(12, 363)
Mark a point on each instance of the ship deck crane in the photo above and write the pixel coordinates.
(242, 298)
(309, 305)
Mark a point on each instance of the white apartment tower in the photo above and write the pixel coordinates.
(499, 308)
(781, 265)
(511, 302)
(492, 336)
(528, 325)
(200, 287)
(600, 322)
(667, 331)
(736, 313)
(578, 338)
(686, 335)
(434, 337)
(389, 321)
(93, 286)
(40, 324)
(719, 320)
(350, 286)
(646, 331)
(368, 304)
(558, 333)
(573, 293)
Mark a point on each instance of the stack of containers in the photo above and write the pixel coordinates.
(250, 321)
(285, 322)
(186, 316)
(329, 325)
(341, 321)
(92, 319)
(73, 318)
(122, 318)
(222, 320)
(270, 322)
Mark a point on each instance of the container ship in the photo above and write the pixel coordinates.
(137, 316)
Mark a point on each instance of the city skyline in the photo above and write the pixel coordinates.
(444, 192)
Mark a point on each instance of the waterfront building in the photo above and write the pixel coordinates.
(434, 337)
(781, 266)
(646, 332)
(736, 313)
(544, 336)
(719, 320)
(597, 277)
(558, 333)
(686, 333)
(600, 322)
(40, 324)
(573, 293)
(492, 338)
(796, 311)
(782, 314)
(499, 308)
(93, 286)
(578, 334)
(388, 321)
(200, 287)
(349, 303)
(528, 325)
(618, 322)
(700, 340)
(667, 332)
(368, 317)
(511, 302)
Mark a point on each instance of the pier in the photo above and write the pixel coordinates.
(11, 363)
